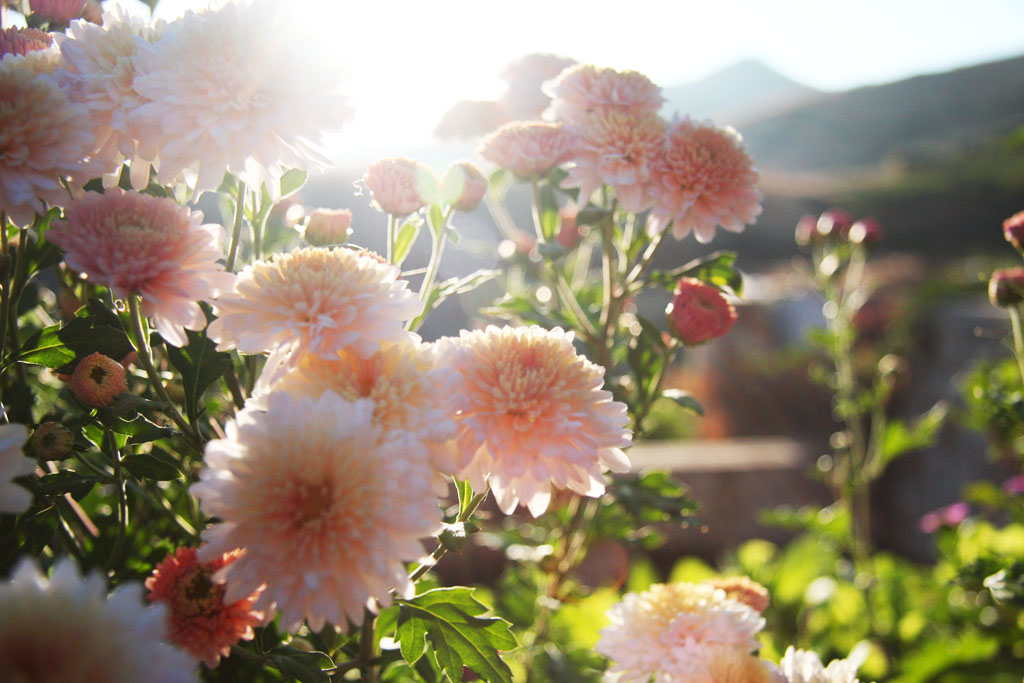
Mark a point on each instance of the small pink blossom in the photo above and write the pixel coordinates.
(866, 231)
(57, 11)
(1006, 287)
(1014, 485)
(951, 515)
(699, 312)
(328, 227)
(1013, 230)
(21, 41)
(584, 88)
(528, 148)
(463, 186)
(400, 186)
(835, 223)
(570, 234)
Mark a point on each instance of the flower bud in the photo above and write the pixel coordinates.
(570, 234)
(1006, 287)
(463, 186)
(835, 223)
(699, 312)
(745, 590)
(806, 230)
(1013, 230)
(400, 186)
(51, 441)
(328, 227)
(97, 379)
(866, 231)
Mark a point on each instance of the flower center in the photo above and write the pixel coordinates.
(198, 594)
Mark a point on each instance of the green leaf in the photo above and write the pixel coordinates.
(548, 210)
(459, 285)
(899, 438)
(450, 619)
(158, 465)
(646, 357)
(435, 217)
(306, 667)
(60, 346)
(140, 430)
(292, 181)
(684, 399)
(405, 239)
(200, 365)
(60, 483)
(716, 269)
(465, 492)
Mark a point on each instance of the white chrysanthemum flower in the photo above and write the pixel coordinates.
(674, 631)
(235, 89)
(804, 666)
(64, 629)
(314, 300)
(327, 507)
(532, 415)
(13, 498)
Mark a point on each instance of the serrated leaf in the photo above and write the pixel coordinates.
(158, 466)
(685, 400)
(139, 430)
(200, 365)
(306, 667)
(716, 269)
(450, 619)
(59, 346)
(60, 483)
(292, 181)
(405, 239)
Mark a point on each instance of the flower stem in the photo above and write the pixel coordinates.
(440, 550)
(236, 230)
(391, 238)
(1018, 339)
(538, 227)
(122, 500)
(367, 648)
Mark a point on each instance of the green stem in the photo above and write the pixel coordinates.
(608, 298)
(236, 230)
(391, 238)
(440, 550)
(538, 227)
(122, 500)
(231, 380)
(367, 648)
(646, 260)
(259, 228)
(1018, 339)
(646, 403)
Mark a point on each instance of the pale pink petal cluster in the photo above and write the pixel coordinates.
(706, 179)
(532, 415)
(528, 148)
(150, 246)
(14, 499)
(618, 147)
(584, 88)
(240, 89)
(315, 300)
(65, 628)
(57, 11)
(400, 186)
(327, 226)
(44, 136)
(729, 665)
(327, 506)
(463, 186)
(20, 41)
(525, 76)
(804, 666)
(675, 632)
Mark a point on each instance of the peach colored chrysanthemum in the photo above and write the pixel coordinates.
(199, 620)
(327, 507)
(804, 666)
(532, 415)
(525, 76)
(13, 498)
(242, 89)
(44, 137)
(316, 300)
(699, 312)
(400, 186)
(463, 186)
(727, 665)
(57, 11)
(706, 179)
(744, 589)
(150, 246)
(97, 379)
(326, 226)
(674, 631)
(20, 41)
(528, 148)
(65, 628)
(584, 88)
(621, 148)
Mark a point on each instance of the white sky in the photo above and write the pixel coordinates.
(409, 60)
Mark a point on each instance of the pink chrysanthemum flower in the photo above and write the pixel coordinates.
(532, 415)
(150, 246)
(240, 89)
(21, 41)
(528, 148)
(57, 11)
(706, 179)
(44, 137)
(326, 226)
(316, 300)
(13, 498)
(525, 76)
(199, 620)
(674, 631)
(621, 148)
(804, 666)
(65, 628)
(463, 186)
(699, 312)
(400, 186)
(97, 380)
(326, 506)
(584, 88)
(745, 590)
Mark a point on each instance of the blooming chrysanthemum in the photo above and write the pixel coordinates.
(57, 11)
(100, 63)
(621, 148)
(13, 498)
(699, 312)
(528, 148)
(20, 41)
(241, 89)
(706, 179)
(463, 186)
(584, 88)
(532, 414)
(327, 507)
(400, 186)
(744, 589)
(44, 137)
(803, 666)
(150, 246)
(674, 631)
(65, 629)
(97, 379)
(317, 300)
(199, 620)
(728, 665)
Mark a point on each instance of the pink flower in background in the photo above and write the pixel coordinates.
(97, 380)
(1013, 230)
(569, 233)
(621, 148)
(14, 499)
(328, 227)
(316, 300)
(866, 231)
(1006, 287)
(835, 223)
(528, 148)
(44, 137)
(199, 620)
(327, 508)
(584, 88)
(21, 41)
(524, 98)
(1014, 485)
(706, 179)
(150, 246)
(57, 11)
(675, 632)
(400, 186)
(240, 89)
(745, 590)
(532, 415)
(804, 666)
(699, 312)
(951, 515)
(463, 186)
(65, 628)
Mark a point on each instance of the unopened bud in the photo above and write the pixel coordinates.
(97, 379)
(51, 441)
(1013, 230)
(328, 227)
(463, 186)
(699, 312)
(1006, 287)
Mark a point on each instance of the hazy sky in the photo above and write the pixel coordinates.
(409, 60)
